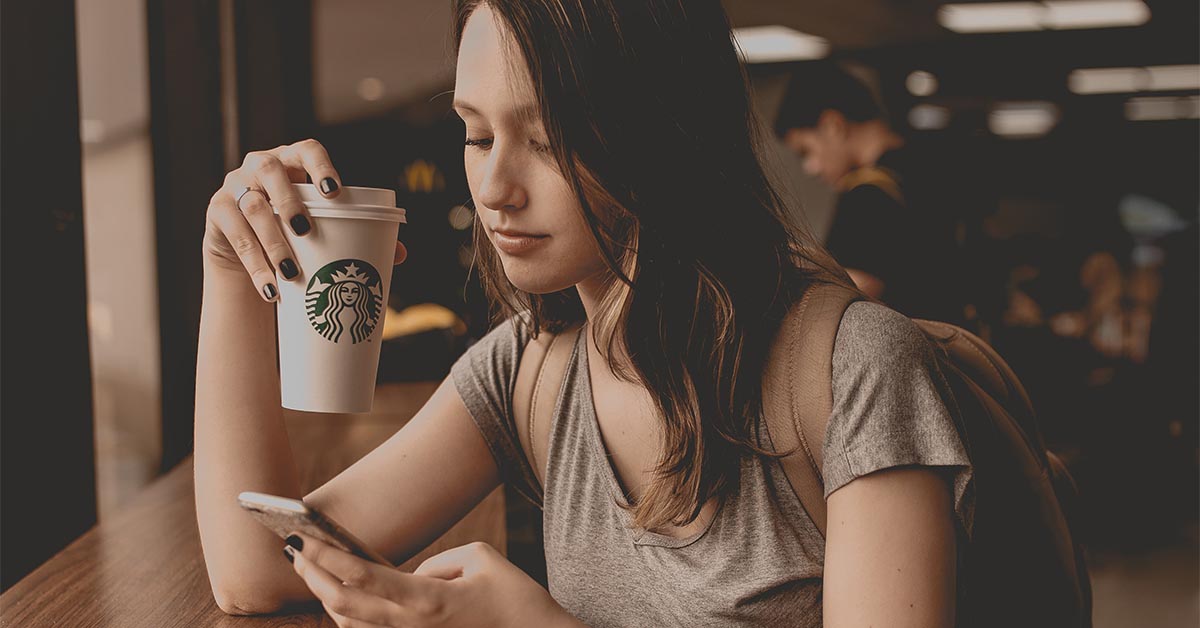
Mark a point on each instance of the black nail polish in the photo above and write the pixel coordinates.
(269, 290)
(296, 542)
(300, 224)
(289, 554)
(288, 268)
(328, 185)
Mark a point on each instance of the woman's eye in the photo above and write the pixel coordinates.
(485, 143)
(481, 143)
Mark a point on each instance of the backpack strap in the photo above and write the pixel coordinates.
(540, 375)
(798, 390)
(883, 178)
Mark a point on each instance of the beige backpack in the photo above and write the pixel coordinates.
(1022, 567)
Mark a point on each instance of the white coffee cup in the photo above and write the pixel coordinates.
(331, 316)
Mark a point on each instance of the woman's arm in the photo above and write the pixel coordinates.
(241, 443)
(890, 551)
(397, 499)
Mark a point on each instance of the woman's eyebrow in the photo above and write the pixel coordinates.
(528, 111)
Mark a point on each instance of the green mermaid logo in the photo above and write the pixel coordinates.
(344, 295)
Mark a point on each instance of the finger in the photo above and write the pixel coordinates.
(392, 584)
(269, 173)
(244, 242)
(311, 156)
(347, 601)
(439, 569)
(401, 254)
(456, 562)
(261, 219)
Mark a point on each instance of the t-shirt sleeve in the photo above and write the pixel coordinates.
(485, 377)
(892, 406)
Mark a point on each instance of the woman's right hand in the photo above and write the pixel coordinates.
(246, 235)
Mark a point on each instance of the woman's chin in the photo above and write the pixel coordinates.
(536, 278)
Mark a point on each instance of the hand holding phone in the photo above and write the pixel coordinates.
(283, 515)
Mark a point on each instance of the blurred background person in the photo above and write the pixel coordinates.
(888, 229)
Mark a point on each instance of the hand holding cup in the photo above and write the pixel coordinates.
(241, 230)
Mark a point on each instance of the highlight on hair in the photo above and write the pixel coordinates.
(647, 111)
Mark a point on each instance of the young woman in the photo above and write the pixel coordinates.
(610, 154)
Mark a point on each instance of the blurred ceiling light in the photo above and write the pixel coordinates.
(1107, 80)
(1152, 108)
(1190, 108)
(1147, 108)
(921, 83)
(1065, 14)
(772, 44)
(1125, 80)
(991, 17)
(370, 89)
(1174, 77)
(1022, 120)
(928, 117)
(998, 17)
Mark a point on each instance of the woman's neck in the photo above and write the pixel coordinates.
(875, 139)
(591, 290)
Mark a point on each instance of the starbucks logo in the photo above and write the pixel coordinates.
(344, 296)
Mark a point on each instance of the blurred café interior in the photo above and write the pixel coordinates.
(1066, 135)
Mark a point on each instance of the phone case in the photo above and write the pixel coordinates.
(283, 516)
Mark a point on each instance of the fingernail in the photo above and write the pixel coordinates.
(300, 224)
(328, 185)
(289, 554)
(269, 291)
(288, 268)
(296, 542)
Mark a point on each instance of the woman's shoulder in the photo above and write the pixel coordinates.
(505, 338)
(892, 405)
(499, 353)
(491, 362)
(874, 335)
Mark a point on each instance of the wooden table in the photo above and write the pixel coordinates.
(143, 566)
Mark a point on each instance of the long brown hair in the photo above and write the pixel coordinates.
(647, 112)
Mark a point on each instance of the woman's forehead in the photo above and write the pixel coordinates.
(491, 70)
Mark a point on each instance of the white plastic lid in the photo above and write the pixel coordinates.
(351, 202)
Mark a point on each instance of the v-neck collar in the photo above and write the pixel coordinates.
(586, 403)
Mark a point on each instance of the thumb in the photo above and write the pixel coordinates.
(440, 566)
(455, 562)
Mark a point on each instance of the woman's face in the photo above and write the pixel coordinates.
(526, 207)
(348, 293)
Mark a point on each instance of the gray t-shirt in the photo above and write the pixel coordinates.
(759, 560)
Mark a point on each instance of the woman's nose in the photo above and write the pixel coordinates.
(501, 188)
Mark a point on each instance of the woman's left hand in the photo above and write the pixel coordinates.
(471, 585)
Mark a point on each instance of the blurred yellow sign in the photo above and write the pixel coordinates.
(422, 176)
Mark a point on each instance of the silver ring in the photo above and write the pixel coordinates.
(238, 201)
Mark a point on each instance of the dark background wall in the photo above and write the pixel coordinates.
(47, 475)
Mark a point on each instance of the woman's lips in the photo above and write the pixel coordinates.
(516, 242)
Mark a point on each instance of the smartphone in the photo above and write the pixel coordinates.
(283, 515)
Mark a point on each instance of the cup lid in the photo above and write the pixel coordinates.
(351, 202)
(349, 195)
